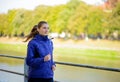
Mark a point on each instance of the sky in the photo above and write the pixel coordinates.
(5, 5)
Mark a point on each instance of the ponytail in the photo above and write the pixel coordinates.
(32, 33)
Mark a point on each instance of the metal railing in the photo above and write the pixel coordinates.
(61, 63)
(71, 64)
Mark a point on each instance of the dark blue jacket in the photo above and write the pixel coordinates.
(38, 68)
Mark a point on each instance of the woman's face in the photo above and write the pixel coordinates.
(44, 29)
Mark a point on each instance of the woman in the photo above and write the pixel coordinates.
(40, 54)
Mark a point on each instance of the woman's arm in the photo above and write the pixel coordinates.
(53, 63)
(31, 60)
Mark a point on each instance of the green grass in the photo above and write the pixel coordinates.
(107, 58)
(20, 50)
(13, 49)
(75, 52)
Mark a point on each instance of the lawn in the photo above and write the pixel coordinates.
(98, 57)
(20, 50)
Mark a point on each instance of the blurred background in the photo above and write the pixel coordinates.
(84, 32)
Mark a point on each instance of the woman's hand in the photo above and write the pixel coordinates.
(47, 57)
(53, 67)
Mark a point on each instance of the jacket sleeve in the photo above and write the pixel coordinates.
(53, 63)
(30, 59)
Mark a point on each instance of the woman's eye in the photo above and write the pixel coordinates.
(46, 27)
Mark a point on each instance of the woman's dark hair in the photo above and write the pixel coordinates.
(34, 30)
